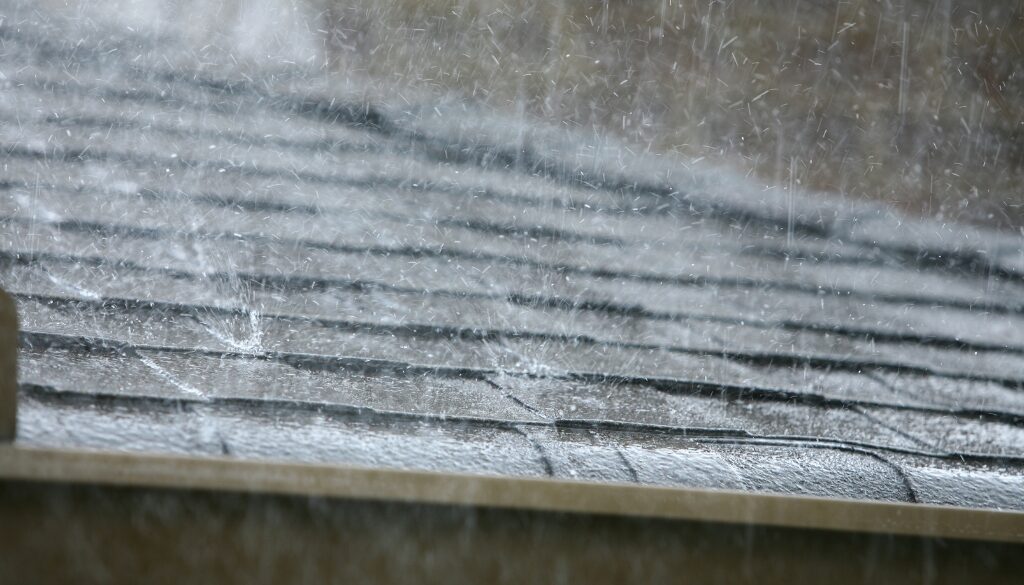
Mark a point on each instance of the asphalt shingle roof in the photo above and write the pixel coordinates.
(210, 262)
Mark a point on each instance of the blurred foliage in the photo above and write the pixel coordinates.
(919, 103)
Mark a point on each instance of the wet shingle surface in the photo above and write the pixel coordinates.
(218, 261)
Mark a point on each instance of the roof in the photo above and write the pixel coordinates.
(211, 260)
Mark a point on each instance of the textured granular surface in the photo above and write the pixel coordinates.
(211, 260)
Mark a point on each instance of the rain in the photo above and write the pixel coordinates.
(775, 247)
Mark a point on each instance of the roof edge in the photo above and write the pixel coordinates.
(542, 495)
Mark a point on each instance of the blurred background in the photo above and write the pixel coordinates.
(918, 103)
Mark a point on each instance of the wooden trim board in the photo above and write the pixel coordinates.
(115, 518)
(355, 483)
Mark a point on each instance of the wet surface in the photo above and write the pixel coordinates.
(213, 260)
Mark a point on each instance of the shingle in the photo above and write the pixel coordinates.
(959, 434)
(692, 414)
(278, 434)
(957, 394)
(773, 469)
(960, 486)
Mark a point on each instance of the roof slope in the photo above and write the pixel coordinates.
(212, 261)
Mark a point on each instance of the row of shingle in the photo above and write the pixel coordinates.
(345, 216)
(338, 307)
(259, 360)
(297, 432)
(148, 238)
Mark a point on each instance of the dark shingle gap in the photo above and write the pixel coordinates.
(892, 428)
(519, 401)
(542, 454)
(629, 465)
